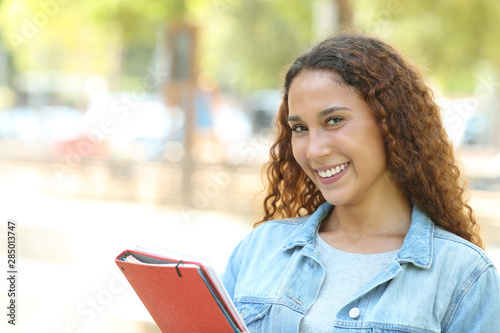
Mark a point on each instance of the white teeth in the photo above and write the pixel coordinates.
(332, 171)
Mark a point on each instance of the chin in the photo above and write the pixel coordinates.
(335, 200)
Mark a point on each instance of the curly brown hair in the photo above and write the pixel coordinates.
(420, 156)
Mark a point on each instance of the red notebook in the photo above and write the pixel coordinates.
(181, 296)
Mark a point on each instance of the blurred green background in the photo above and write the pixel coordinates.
(126, 122)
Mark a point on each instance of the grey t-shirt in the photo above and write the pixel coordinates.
(345, 274)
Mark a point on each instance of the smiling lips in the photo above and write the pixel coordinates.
(325, 174)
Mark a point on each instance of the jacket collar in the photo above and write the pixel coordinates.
(417, 245)
(306, 232)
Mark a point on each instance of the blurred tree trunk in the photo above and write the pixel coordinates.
(345, 13)
(330, 15)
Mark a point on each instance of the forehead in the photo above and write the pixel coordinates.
(316, 90)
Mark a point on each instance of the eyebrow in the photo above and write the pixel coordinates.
(323, 113)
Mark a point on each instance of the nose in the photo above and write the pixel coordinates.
(318, 145)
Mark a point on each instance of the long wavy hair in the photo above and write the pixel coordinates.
(420, 156)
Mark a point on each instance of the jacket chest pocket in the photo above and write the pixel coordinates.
(254, 315)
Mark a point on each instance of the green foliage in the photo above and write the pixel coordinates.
(451, 38)
(245, 44)
(48, 36)
(255, 39)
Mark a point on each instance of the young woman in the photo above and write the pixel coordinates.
(366, 225)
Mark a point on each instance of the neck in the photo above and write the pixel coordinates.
(376, 225)
(373, 218)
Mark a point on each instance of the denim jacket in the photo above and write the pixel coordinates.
(438, 282)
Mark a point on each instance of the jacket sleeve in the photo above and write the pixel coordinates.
(478, 308)
(230, 273)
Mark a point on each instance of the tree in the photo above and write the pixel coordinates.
(454, 39)
(249, 43)
(245, 44)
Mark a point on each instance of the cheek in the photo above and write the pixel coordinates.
(371, 139)
(375, 154)
(376, 145)
(298, 151)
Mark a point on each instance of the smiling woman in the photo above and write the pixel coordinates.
(366, 225)
(334, 128)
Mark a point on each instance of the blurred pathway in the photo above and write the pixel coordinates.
(67, 247)
(66, 258)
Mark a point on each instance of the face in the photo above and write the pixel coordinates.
(335, 139)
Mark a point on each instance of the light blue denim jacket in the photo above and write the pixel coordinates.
(438, 282)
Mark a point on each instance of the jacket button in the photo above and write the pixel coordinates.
(354, 313)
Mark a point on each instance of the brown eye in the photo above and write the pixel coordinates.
(298, 128)
(334, 120)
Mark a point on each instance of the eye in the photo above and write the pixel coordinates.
(298, 128)
(334, 120)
